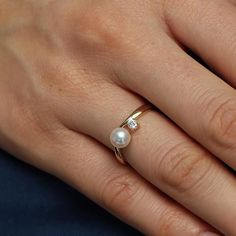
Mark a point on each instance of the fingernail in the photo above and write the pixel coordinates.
(209, 234)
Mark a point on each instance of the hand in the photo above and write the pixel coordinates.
(72, 71)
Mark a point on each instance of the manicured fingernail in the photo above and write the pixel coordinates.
(209, 234)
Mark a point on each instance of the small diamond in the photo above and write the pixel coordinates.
(132, 124)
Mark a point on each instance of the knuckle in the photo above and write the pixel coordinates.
(120, 192)
(89, 26)
(100, 30)
(182, 167)
(168, 220)
(171, 220)
(221, 122)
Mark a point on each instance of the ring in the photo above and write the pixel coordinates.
(121, 137)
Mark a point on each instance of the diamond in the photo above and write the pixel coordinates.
(132, 124)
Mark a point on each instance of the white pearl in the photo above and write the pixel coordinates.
(120, 137)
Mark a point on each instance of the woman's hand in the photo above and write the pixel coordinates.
(71, 71)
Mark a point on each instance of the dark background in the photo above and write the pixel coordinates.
(33, 203)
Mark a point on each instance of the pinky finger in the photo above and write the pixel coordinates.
(92, 169)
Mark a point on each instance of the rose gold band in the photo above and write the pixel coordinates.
(131, 123)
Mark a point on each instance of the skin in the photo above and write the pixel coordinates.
(72, 71)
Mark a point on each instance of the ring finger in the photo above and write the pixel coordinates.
(194, 98)
(90, 167)
(165, 156)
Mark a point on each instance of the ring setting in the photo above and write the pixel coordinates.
(121, 137)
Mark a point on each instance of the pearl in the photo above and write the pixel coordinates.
(120, 137)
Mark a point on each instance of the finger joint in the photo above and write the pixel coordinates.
(120, 192)
(221, 122)
(182, 167)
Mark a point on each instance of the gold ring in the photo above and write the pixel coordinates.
(120, 137)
